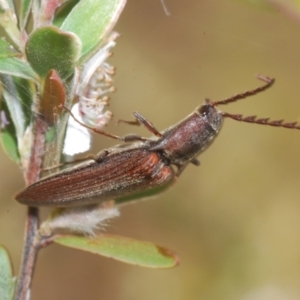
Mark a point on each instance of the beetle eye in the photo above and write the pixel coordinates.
(204, 109)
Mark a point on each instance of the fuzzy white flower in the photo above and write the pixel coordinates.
(95, 83)
(85, 220)
(78, 138)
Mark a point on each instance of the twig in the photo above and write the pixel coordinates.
(31, 243)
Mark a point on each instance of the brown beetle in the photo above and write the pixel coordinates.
(143, 164)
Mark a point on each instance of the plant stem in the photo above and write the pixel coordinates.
(30, 251)
(31, 243)
(42, 154)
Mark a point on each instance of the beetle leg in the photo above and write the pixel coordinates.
(99, 157)
(132, 137)
(139, 119)
(142, 120)
(96, 130)
(180, 168)
(195, 162)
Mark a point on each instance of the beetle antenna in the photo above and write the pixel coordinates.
(262, 121)
(96, 130)
(253, 119)
(268, 83)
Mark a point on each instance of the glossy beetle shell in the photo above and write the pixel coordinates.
(129, 168)
(96, 182)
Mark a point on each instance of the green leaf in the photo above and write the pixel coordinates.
(10, 4)
(6, 280)
(92, 20)
(50, 48)
(25, 7)
(6, 49)
(10, 145)
(8, 21)
(26, 93)
(124, 249)
(8, 134)
(17, 67)
(47, 10)
(63, 12)
(18, 94)
(14, 105)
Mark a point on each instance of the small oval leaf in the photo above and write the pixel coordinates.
(13, 103)
(124, 249)
(6, 279)
(8, 21)
(92, 20)
(50, 48)
(8, 133)
(7, 50)
(16, 67)
(53, 98)
(9, 143)
(25, 7)
(62, 13)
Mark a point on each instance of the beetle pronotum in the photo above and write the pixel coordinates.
(143, 163)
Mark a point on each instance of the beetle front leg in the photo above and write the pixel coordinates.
(140, 119)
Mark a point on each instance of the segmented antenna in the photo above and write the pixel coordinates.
(253, 119)
(262, 121)
(268, 83)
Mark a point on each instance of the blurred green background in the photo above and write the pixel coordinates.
(235, 220)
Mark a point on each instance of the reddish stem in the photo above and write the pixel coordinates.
(32, 240)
